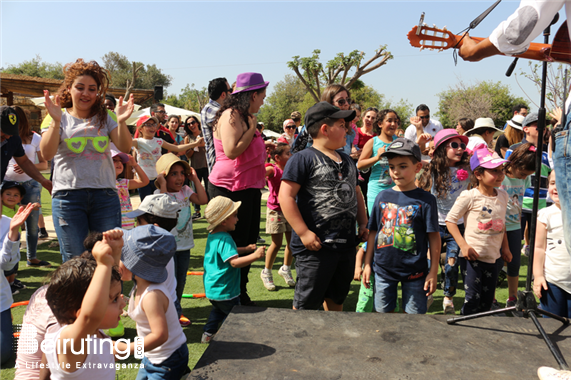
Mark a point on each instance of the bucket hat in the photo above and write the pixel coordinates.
(219, 208)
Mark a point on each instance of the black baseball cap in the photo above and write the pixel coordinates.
(403, 147)
(10, 185)
(10, 120)
(322, 110)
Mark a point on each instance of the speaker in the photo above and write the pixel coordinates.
(158, 94)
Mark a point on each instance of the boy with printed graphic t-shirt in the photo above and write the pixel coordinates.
(326, 211)
(403, 223)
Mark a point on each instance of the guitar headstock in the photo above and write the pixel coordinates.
(431, 38)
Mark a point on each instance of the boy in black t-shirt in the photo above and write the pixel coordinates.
(404, 221)
(325, 214)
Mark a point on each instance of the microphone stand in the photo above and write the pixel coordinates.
(526, 302)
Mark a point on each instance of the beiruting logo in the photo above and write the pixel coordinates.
(28, 344)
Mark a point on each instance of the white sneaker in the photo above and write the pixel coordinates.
(547, 373)
(287, 276)
(206, 337)
(268, 280)
(448, 307)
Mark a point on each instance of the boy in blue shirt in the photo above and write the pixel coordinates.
(403, 222)
(222, 263)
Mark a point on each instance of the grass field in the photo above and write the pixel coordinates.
(198, 309)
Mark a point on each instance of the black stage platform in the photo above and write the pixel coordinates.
(265, 343)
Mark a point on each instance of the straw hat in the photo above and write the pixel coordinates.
(218, 209)
(165, 163)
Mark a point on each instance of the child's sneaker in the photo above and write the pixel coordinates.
(448, 306)
(512, 301)
(43, 234)
(525, 250)
(268, 280)
(206, 337)
(547, 373)
(287, 276)
(184, 321)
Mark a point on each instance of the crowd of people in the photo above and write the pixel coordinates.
(420, 198)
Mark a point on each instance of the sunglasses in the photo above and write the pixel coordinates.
(455, 145)
(150, 125)
(425, 117)
(342, 102)
(290, 127)
(191, 122)
(161, 111)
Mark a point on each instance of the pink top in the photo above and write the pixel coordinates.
(36, 320)
(362, 138)
(245, 172)
(274, 183)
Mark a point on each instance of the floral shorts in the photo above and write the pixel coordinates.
(276, 223)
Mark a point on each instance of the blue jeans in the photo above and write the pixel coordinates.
(413, 295)
(76, 212)
(33, 195)
(172, 368)
(452, 251)
(218, 314)
(6, 337)
(562, 166)
(181, 263)
(556, 300)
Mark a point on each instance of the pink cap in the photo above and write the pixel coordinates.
(485, 158)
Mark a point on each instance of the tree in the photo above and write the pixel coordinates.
(288, 95)
(314, 76)
(36, 68)
(556, 86)
(190, 98)
(122, 73)
(484, 99)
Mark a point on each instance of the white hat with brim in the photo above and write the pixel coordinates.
(517, 122)
(482, 123)
(218, 210)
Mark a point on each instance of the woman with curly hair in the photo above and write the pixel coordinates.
(446, 176)
(76, 135)
(196, 156)
(239, 171)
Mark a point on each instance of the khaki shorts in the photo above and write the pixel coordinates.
(276, 222)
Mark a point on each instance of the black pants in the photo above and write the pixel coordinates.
(248, 226)
(202, 174)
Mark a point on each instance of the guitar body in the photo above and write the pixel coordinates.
(441, 39)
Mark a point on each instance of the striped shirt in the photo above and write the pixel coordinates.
(207, 117)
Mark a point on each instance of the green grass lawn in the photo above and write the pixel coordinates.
(198, 309)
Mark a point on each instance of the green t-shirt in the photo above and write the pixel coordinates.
(221, 280)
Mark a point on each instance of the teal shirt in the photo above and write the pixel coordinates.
(221, 280)
(380, 178)
(516, 190)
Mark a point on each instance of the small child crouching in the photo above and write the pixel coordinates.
(403, 223)
(222, 263)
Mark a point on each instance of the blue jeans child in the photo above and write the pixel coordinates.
(172, 368)
(452, 252)
(414, 299)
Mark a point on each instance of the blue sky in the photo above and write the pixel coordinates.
(197, 41)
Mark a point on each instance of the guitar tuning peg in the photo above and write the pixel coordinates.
(434, 26)
(431, 49)
(444, 28)
(440, 50)
(424, 24)
(421, 48)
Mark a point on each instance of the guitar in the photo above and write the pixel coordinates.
(441, 39)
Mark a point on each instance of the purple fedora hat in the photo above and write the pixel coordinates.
(249, 82)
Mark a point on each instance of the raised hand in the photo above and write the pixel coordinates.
(124, 110)
(103, 253)
(132, 160)
(416, 121)
(114, 238)
(22, 214)
(53, 108)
